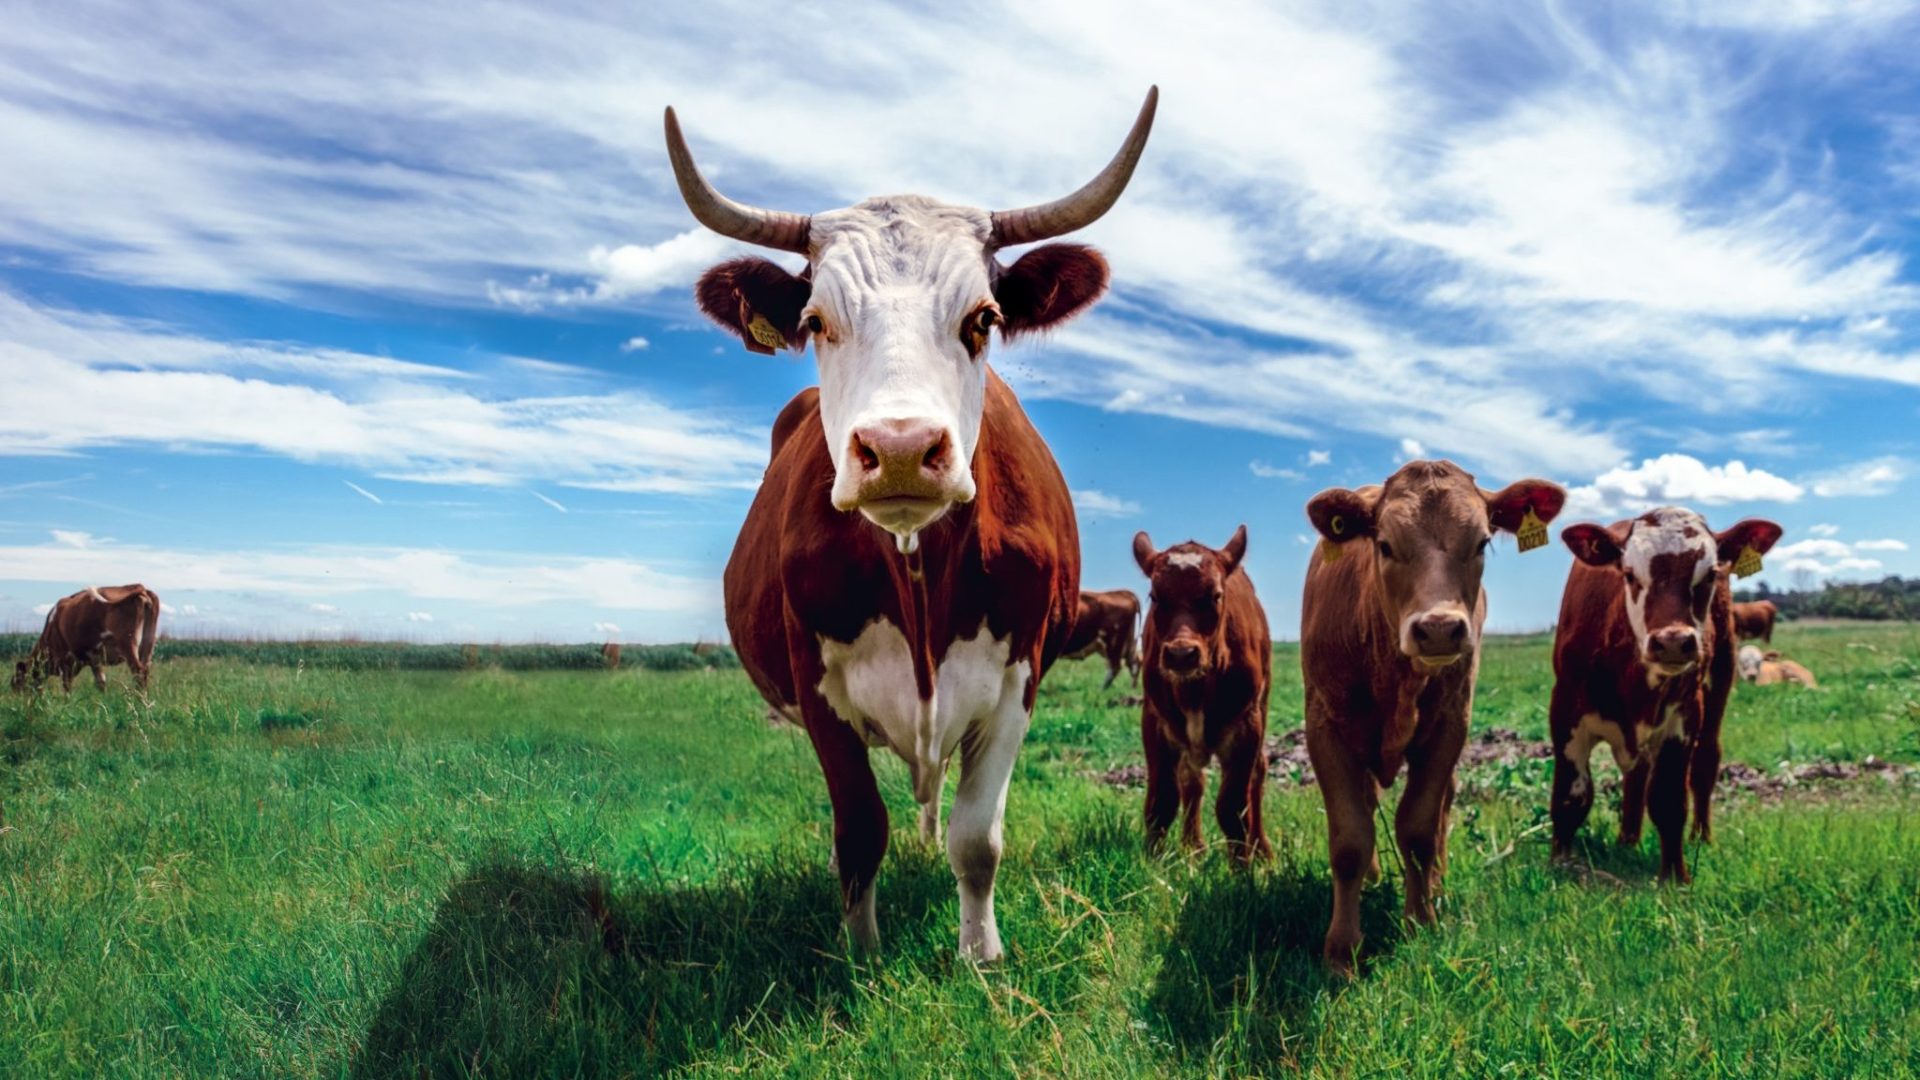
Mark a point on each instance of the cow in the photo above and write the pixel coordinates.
(1105, 623)
(1755, 620)
(1643, 661)
(96, 627)
(1208, 664)
(610, 655)
(1768, 668)
(909, 567)
(1390, 628)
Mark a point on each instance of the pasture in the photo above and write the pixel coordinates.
(304, 869)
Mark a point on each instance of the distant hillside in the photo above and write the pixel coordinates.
(1888, 598)
(405, 656)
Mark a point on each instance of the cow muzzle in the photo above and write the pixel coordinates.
(1437, 638)
(1673, 650)
(1182, 659)
(902, 474)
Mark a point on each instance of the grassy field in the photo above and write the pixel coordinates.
(299, 870)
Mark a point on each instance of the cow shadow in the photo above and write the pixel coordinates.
(529, 970)
(1244, 956)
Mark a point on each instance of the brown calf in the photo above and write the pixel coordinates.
(1105, 624)
(1769, 668)
(1209, 661)
(96, 628)
(1755, 620)
(1389, 649)
(1643, 660)
(610, 655)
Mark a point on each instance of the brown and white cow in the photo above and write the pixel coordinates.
(1643, 660)
(96, 628)
(1755, 620)
(909, 567)
(1389, 650)
(1209, 663)
(1105, 623)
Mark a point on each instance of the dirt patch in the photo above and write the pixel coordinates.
(1288, 765)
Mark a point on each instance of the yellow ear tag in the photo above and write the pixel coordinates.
(1532, 532)
(1329, 548)
(1748, 564)
(764, 333)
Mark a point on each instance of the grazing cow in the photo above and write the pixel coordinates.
(1755, 620)
(1209, 662)
(910, 564)
(96, 628)
(1643, 661)
(1105, 624)
(1768, 668)
(1389, 650)
(610, 655)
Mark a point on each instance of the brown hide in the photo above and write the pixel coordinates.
(1755, 620)
(1104, 624)
(95, 628)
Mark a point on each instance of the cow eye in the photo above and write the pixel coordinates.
(1386, 550)
(985, 319)
(815, 324)
(1484, 545)
(1631, 580)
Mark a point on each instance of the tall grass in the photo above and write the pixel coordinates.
(409, 656)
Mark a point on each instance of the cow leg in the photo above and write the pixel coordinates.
(1704, 773)
(1192, 777)
(1243, 779)
(859, 819)
(1348, 790)
(99, 673)
(1706, 741)
(1163, 793)
(1667, 806)
(1420, 824)
(974, 842)
(1572, 798)
(1633, 801)
(930, 810)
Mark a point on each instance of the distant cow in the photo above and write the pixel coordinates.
(1755, 620)
(1208, 663)
(907, 571)
(96, 628)
(1767, 668)
(610, 654)
(1643, 661)
(1106, 624)
(1389, 650)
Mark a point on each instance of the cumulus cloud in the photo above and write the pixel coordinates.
(1088, 502)
(1677, 479)
(1824, 530)
(419, 616)
(607, 629)
(634, 344)
(1818, 559)
(1880, 545)
(1318, 457)
(1879, 476)
(1411, 449)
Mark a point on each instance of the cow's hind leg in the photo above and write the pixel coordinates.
(1163, 793)
(1633, 801)
(974, 842)
(859, 820)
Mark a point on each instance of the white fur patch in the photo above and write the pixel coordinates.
(1190, 560)
(1591, 731)
(1666, 534)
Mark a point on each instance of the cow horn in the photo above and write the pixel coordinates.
(1083, 207)
(778, 229)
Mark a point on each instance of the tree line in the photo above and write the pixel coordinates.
(1889, 598)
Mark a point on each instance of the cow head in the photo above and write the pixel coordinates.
(1750, 660)
(1428, 529)
(900, 297)
(1669, 563)
(1189, 589)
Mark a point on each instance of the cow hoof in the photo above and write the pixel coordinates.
(983, 949)
(1339, 961)
(1628, 840)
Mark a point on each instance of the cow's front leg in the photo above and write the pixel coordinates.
(1420, 823)
(979, 803)
(1348, 790)
(1243, 778)
(1667, 806)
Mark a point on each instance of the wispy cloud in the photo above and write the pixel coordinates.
(1092, 503)
(364, 493)
(1876, 477)
(550, 502)
(1273, 472)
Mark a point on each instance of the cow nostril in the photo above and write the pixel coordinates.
(868, 459)
(936, 456)
(1688, 646)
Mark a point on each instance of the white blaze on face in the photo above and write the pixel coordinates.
(894, 279)
(1663, 532)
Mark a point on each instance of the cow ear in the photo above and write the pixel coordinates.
(1047, 286)
(1342, 514)
(1235, 550)
(1508, 507)
(1143, 552)
(1756, 533)
(757, 300)
(1593, 544)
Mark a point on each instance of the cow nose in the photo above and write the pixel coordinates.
(902, 446)
(1181, 656)
(1674, 645)
(1440, 634)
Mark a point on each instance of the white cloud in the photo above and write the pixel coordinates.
(1677, 479)
(1273, 472)
(419, 616)
(607, 629)
(323, 609)
(1880, 545)
(1411, 449)
(1824, 530)
(364, 493)
(1098, 504)
(634, 344)
(72, 538)
(1318, 457)
(1876, 477)
(42, 609)
(550, 502)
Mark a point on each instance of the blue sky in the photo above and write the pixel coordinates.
(376, 319)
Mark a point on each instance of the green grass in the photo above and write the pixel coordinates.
(274, 869)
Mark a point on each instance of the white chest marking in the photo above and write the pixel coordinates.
(1579, 752)
(869, 684)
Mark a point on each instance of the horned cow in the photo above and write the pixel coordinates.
(909, 567)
